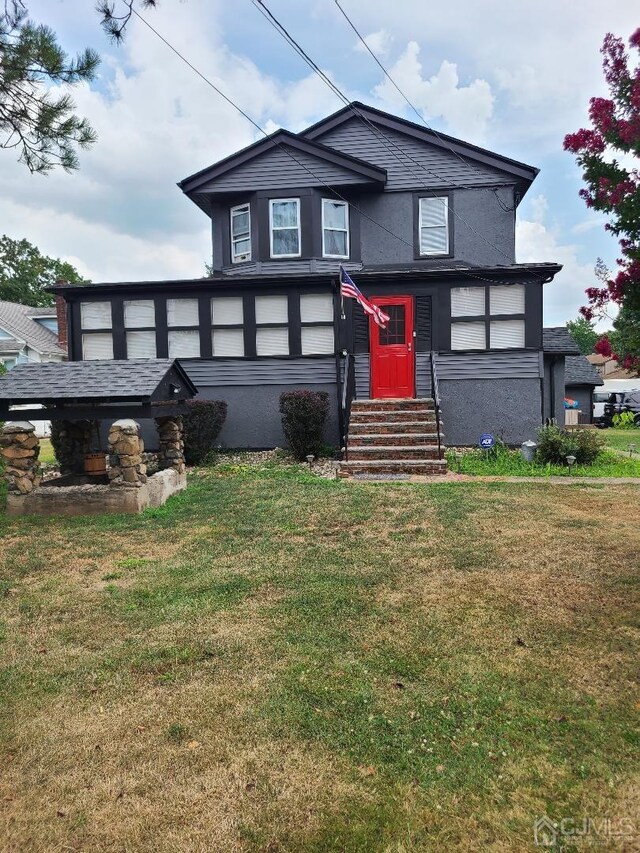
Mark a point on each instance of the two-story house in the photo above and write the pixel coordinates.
(425, 225)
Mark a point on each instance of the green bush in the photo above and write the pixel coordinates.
(304, 417)
(555, 444)
(624, 420)
(202, 425)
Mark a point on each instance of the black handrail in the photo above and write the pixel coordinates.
(436, 398)
(345, 400)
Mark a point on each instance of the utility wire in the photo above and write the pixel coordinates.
(290, 154)
(281, 29)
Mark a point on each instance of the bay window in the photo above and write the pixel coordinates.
(284, 227)
(335, 229)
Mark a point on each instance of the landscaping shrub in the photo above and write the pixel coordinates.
(304, 417)
(555, 444)
(624, 420)
(202, 425)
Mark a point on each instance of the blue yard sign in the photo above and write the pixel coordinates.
(486, 441)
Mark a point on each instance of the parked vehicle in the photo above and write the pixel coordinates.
(622, 401)
(612, 392)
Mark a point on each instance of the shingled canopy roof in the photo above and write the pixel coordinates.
(556, 340)
(96, 389)
(578, 371)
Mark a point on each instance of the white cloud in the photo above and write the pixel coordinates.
(466, 109)
(379, 42)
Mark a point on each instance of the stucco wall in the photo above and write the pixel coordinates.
(510, 409)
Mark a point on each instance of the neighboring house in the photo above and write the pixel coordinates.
(424, 223)
(580, 378)
(28, 334)
(608, 367)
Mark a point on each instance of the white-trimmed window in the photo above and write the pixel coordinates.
(335, 228)
(488, 317)
(96, 345)
(433, 226)
(184, 328)
(284, 227)
(140, 326)
(227, 326)
(316, 317)
(272, 325)
(240, 234)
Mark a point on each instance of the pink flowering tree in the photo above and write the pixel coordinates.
(614, 189)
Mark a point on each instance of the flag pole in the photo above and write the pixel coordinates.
(343, 316)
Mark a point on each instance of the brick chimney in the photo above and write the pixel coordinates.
(61, 312)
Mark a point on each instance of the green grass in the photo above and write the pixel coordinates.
(620, 439)
(272, 661)
(47, 456)
(509, 463)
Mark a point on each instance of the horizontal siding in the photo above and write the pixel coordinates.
(292, 267)
(489, 365)
(437, 167)
(362, 376)
(423, 374)
(275, 169)
(264, 371)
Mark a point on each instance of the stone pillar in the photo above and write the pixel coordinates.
(171, 454)
(20, 448)
(126, 467)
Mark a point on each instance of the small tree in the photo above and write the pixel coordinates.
(583, 333)
(304, 416)
(611, 187)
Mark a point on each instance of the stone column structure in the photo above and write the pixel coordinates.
(20, 448)
(126, 467)
(171, 454)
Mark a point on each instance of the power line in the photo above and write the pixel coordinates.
(290, 154)
(281, 29)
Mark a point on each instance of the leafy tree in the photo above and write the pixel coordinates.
(583, 333)
(25, 272)
(612, 188)
(36, 121)
(624, 341)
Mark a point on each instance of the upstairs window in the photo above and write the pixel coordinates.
(96, 325)
(316, 316)
(272, 325)
(284, 227)
(227, 332)
(240, 234)
(184, 328)
(434, 225)
(140, 326)
(491, 317)
(335, 229)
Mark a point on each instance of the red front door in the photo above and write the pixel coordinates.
(392, 357)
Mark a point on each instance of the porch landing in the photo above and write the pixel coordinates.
(394, 437)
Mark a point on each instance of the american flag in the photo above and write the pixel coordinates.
(349, 288)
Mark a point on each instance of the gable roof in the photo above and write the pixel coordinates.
(18, 321)
(578, 371)
(134, 379)
(518, 170)
(366, 172)
(556, 340)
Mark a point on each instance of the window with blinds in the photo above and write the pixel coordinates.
(467, 301)
(95, 315)
(97, 346)
(272, 325)
(184, 329)
(182, 312)
(468, 336)
(140, 325)
(434, 225)
(227, 322)
(184, 343)
(506, 299)
(335, 229)
(473, 310)
(316, 317)
(507, 334)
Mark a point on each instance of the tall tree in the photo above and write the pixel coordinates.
(25, 272)
(611, 186)
(583, 333)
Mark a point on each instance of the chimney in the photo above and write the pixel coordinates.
(61, 312)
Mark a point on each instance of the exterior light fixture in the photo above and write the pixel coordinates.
(571, 461)
(632, 450)
(458, 458)
(310, 458)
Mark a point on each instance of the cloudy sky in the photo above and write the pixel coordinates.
(511, 76)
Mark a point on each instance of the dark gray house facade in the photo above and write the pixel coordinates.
(425, 225)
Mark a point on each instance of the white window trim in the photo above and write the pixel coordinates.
(273, 201)
(235, 258)
(344, 204)
(445, 200)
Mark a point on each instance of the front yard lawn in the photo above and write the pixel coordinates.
(277, 662)
(509, 463)
(622, 438)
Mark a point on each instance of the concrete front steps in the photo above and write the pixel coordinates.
(393, 437)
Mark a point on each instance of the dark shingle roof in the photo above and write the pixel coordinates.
(558, 341)
(136, 379)
(578, 371)
(17, 320)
